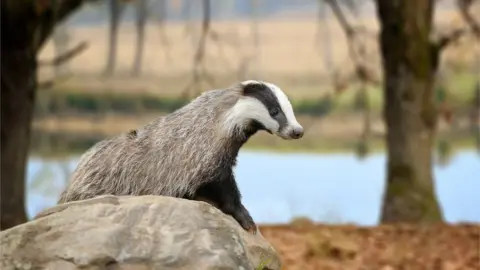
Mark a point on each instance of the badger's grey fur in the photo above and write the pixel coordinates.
(189, 153)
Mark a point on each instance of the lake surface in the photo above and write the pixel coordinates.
(330, 188)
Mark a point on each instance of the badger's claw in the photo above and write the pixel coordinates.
(246, 221)
(252, 230)
(242, 216)
(248, 224)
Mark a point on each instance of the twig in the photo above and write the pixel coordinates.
(255, 56)
(451, 38)
(337, 11)
(322, 24)
(464, 7)
(48, 84)
(49, 15)
(45, 85)
(200, 52)
(348, 30)
(455, 35)
(207, 33)
(61, 59)
(163, 35)
(220, 41)
(356, 48)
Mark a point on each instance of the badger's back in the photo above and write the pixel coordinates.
(171, 156)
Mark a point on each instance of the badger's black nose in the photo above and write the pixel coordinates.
(297, 132)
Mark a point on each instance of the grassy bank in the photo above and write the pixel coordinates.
(61, 144)
(72, 117)
(307, 95)
(65, 102)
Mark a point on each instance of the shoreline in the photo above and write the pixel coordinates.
(321, 132)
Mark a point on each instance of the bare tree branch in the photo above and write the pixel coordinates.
(189, 27)
(452, 37)
(254, 58)
(325, 39)
(163, 35)
(199, 60)
(357, 49)
(337, 11)
(464, 8)
(348, 28)
(49, 84)
(52, 13)
(45, 85)
(199, 56)
(61, 59)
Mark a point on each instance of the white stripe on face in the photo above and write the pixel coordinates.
(286, 106)
(247, 82)
(254, 107)
(246, 109)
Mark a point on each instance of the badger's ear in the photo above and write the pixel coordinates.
(252, 87)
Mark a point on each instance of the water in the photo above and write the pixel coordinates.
(330, 188)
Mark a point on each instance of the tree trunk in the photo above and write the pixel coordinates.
(18, 94)
(141, 18)
(26, 25)
(18, 82)
(116, 9)
(409, 64)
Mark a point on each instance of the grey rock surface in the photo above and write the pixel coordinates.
(134, 233)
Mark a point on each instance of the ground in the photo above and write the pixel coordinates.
(304, 245)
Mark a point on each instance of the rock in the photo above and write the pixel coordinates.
(134, 233)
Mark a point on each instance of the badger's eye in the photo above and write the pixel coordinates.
(273, 112)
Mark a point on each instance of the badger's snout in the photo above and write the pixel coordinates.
(296, 132)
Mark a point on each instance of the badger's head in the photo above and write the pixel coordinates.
(263, 106)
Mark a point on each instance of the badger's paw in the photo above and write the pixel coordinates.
(248, 225)
(252, 230)
(242, 216)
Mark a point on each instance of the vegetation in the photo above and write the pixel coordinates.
(59, 101)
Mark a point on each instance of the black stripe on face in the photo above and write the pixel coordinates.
(266, 96)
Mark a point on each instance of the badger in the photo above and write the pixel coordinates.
(189, 153)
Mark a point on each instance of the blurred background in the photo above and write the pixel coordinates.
(145, 58)
(326, 201)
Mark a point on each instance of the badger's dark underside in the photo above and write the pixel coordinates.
(225, 196)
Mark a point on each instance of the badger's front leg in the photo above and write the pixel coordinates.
(224, 195)
(243, 217)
